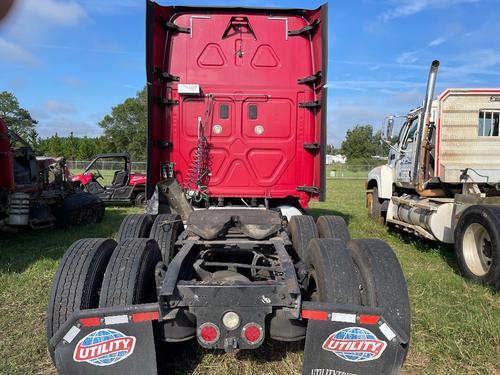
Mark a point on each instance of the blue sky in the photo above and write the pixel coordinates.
(70, 61)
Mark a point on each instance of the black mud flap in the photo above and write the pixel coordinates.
(117, 341)
(348, 340)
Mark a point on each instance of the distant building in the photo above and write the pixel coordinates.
(330, 159)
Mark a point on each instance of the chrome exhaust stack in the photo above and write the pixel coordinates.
(420, 170)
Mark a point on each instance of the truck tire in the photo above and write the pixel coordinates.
(134, 226)
(331, 272)
(130, 275)
(382, 280)
(477, 244)
(333, 227)
(165, 230)
(77, 282)
(375, 206)
(140, 200)
(301, 230)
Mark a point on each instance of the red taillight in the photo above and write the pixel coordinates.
(252, 333)
(208, 333)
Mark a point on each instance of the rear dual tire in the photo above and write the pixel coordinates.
(134, 226)
(331, 274)
(77, 282)
(130, 278)
(165, 230)
(382, 281)
(302, 229)
(330, 226)
(361, 271)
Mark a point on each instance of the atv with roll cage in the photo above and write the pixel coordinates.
(126, 187)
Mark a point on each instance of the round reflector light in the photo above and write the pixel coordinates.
(231, 320)
(208, 333)
(252, 333)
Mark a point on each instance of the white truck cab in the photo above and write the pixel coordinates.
(442, 178)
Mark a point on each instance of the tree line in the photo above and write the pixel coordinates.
(125, 129)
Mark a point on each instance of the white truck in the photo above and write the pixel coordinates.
(442, 178)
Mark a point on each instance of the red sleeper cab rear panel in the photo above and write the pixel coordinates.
(248, 63)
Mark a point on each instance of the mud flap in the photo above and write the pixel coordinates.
(108, 342)
(347, 339)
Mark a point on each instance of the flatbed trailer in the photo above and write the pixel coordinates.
(230, 260)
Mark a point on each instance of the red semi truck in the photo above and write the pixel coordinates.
(236, 134)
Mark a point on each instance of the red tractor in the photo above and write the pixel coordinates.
(224, 254)
(125, 188)
(37, 192)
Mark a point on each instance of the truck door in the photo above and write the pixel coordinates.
(407, 148)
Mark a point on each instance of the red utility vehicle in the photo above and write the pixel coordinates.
(236, 133)
(125, 188)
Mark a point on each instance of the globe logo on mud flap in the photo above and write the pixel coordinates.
(104, 347)
(355, 344)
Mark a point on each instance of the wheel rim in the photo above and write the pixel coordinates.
(477, 249)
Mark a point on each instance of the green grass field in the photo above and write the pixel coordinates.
(455, 324)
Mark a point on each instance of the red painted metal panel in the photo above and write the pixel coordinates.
(246, 64)
(6, 159)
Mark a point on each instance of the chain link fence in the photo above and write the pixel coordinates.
(333, 171)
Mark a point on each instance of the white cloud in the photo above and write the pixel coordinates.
(30, 20)
(57, 106)
(408, 57)
(438, 41)
(10, 51)
(39, 114)
(409, 7)
(63, 126)
(56, 11)
(473, 63)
